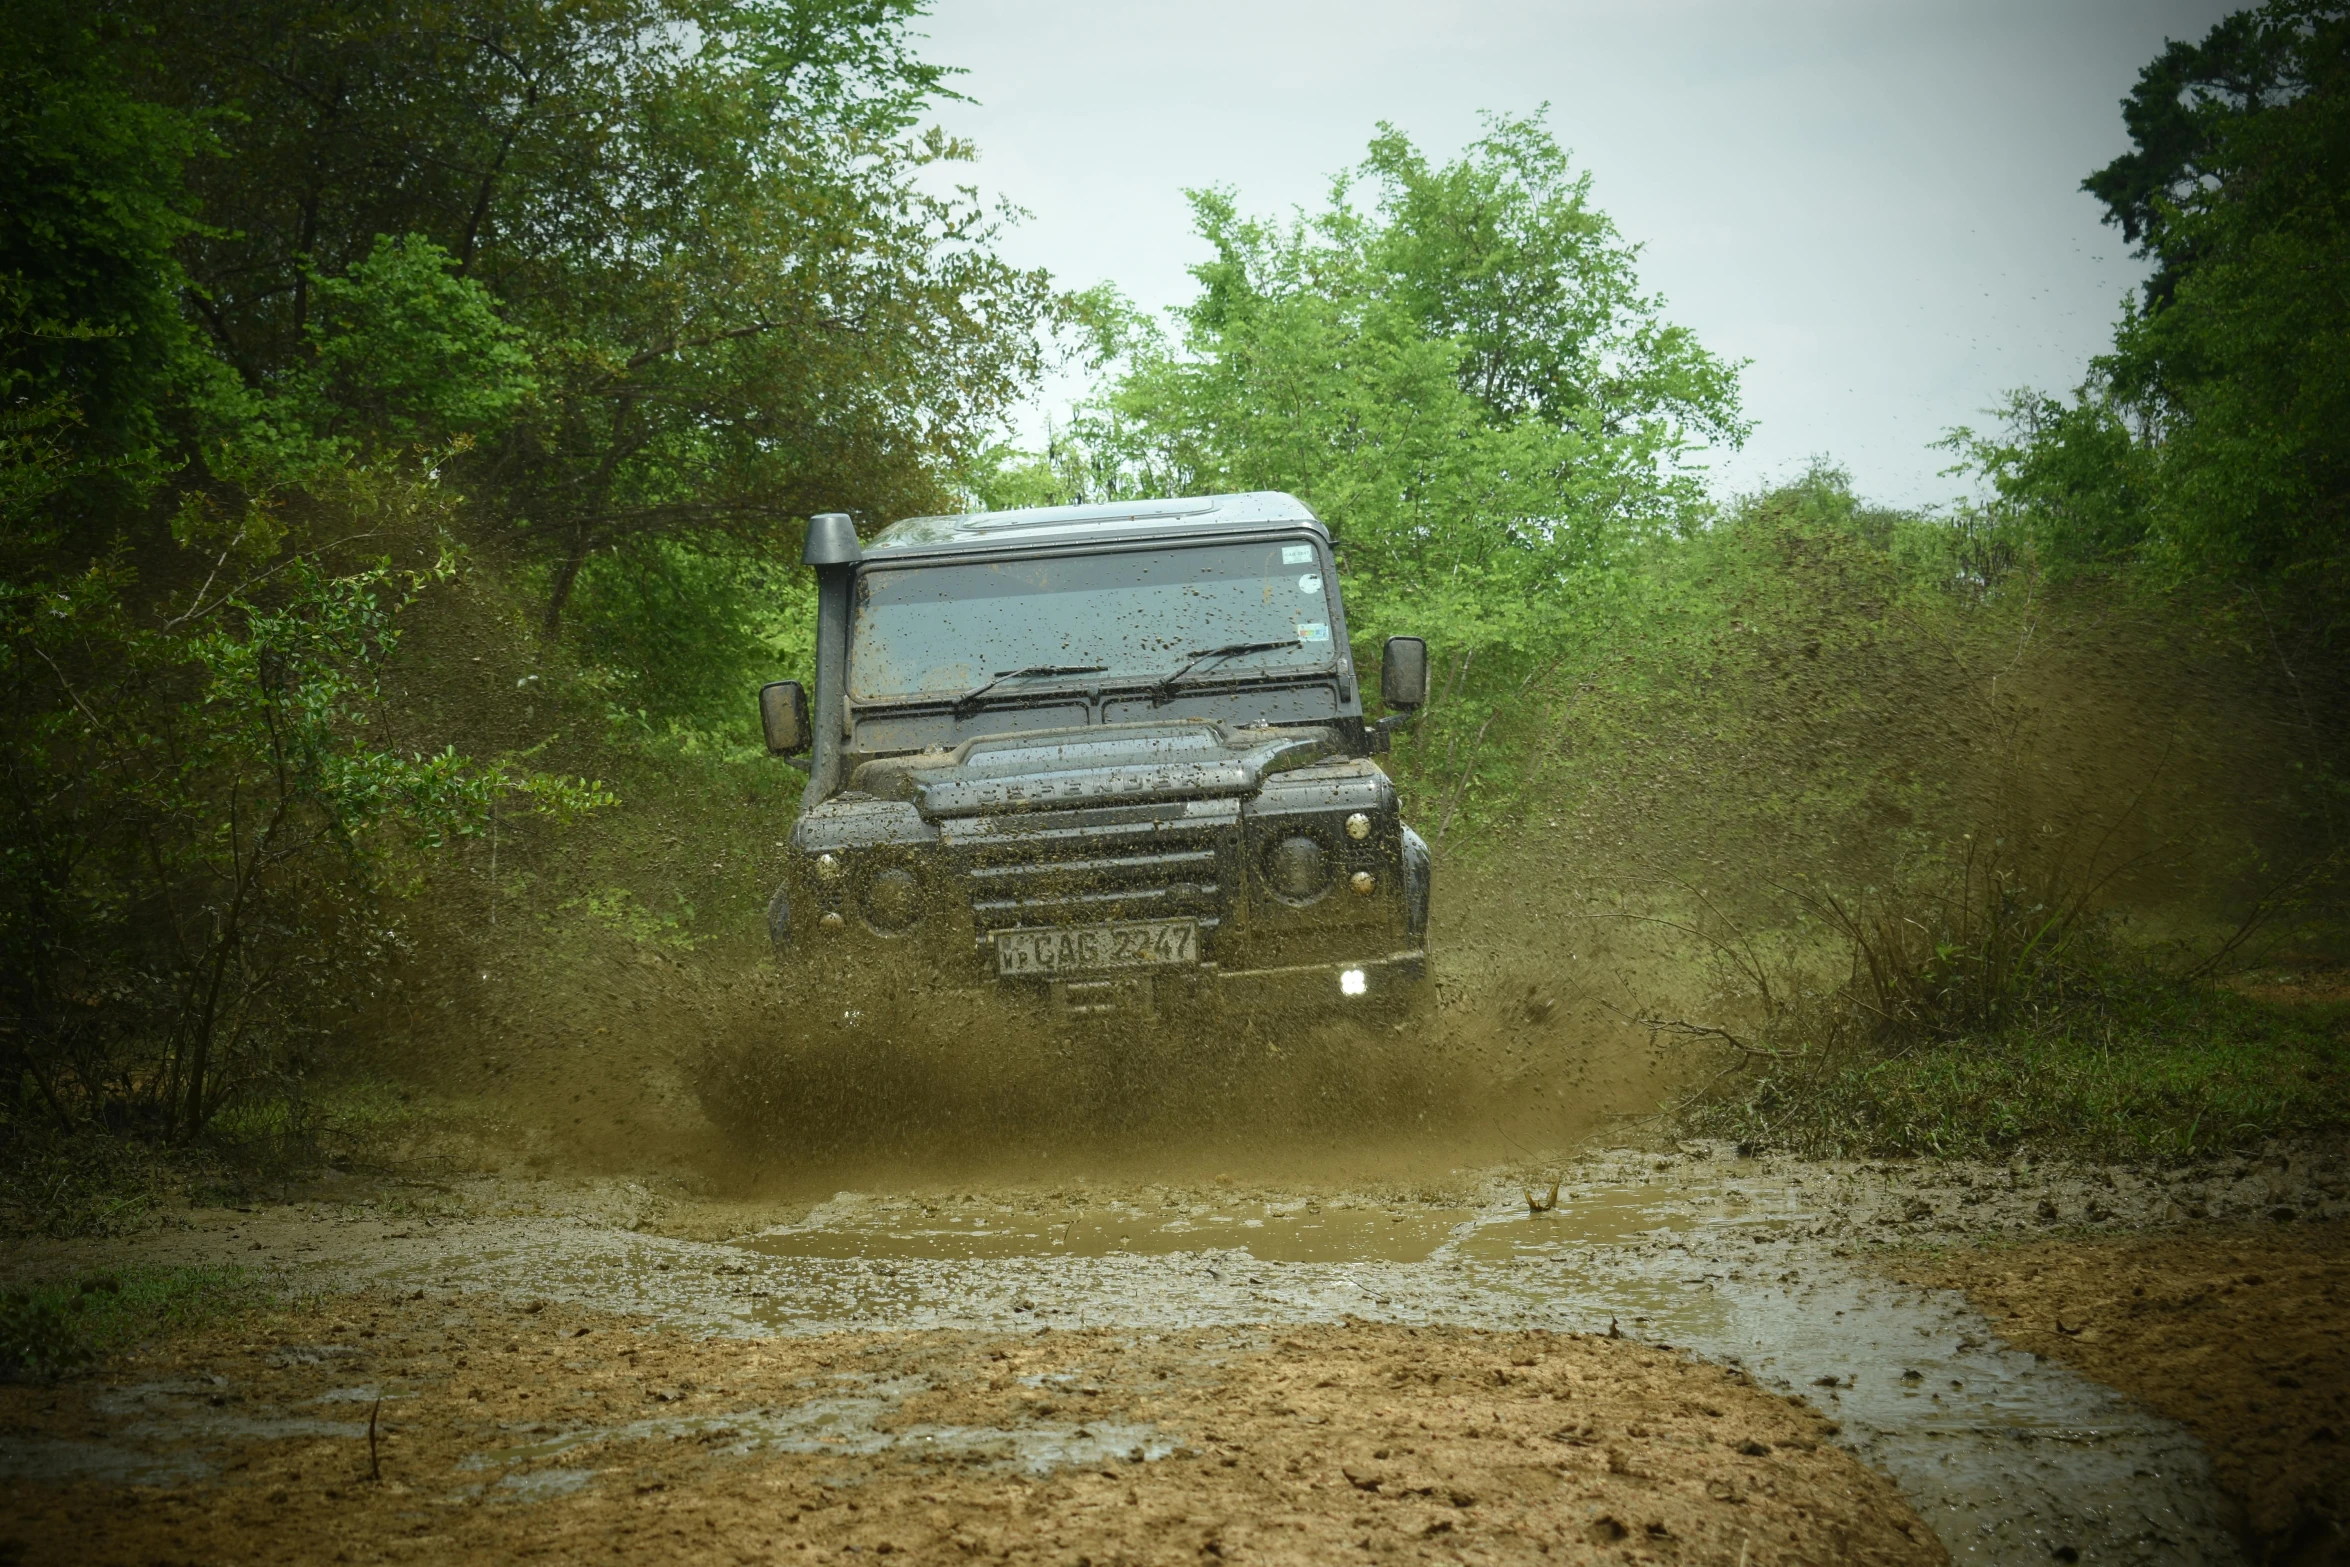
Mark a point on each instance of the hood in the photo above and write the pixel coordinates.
(1061, 769)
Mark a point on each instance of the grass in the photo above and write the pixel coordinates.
(272, 1137)
(2140, 1069)
(93, 1182)
(53, 1328)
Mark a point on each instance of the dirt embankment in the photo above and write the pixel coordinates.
(2242, 1336)
(509, 1431)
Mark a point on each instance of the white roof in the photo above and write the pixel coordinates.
(1178, 513)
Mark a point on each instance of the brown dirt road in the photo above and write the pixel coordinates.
(506, 1432)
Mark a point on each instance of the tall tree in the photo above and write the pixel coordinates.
(711, 220)
(93, 206)
(1463, 377)
(2214, 439)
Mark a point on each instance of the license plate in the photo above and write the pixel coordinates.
(1090, 948)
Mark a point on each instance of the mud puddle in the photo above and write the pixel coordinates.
(1767, 1265)
(531, 1430)
(861, 1425)
(1263, 1232)
(2010, 1458)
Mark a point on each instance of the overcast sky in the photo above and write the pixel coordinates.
(1877, 204)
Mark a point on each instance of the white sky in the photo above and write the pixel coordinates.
(1878, 204)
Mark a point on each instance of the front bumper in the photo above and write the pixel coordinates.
(1332, 987)
(1376, 985)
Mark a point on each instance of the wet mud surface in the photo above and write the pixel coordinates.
(2244, 1338)
(1775, 1276)
(505, 1432)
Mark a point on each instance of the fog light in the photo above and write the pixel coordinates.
(1352, 982)
(1358, 826)
(830, 919)
(1363, 882)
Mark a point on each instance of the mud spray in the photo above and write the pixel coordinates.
(1634, 908)
(637, 1112)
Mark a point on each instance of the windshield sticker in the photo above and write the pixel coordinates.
(1297, 554)
(1313, 631)
(1311, 582)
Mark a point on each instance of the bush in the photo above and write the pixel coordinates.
(54, 1328)
(2137, 1067)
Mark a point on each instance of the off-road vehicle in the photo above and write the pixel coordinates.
(1097, 759)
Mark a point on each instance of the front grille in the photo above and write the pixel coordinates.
(1148, 870)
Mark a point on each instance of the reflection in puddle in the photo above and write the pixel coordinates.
(2012, 1460)
(1603, 1217)
(849, 1426)
(544, 1485)
(1267, 1234)
(164, 1433)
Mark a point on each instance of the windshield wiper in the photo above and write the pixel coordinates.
(968, 702)
(1163, 689)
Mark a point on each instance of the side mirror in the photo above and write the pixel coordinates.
(1403, 673)
(783, 713)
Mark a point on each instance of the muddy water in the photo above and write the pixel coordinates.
(1265, 1232)
(2011, 1459)
(1768, 1265)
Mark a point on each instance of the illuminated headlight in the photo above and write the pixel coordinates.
(828, 867)
(1358, 827)
(1353, 982)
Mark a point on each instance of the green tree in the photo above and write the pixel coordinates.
(93, 205)
(2214, 439)
(712, 222)
(1464, 379)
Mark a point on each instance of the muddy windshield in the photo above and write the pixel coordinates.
(941, 630)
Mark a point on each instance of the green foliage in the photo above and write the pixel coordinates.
(676, 639)
(709, 222)
(1464, 381)
(2214, 440)
(2145, 1067)
(410, 352)
(93, 205)
(54, 1328)
(1762, 671)
(204, 808)
(2184, 113)
(1501, 254)
(1462, 378)
(337, 300)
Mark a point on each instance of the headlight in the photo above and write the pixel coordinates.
(1298, 868)
(893, 898)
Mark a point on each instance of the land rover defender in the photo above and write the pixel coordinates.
(1097, 760)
